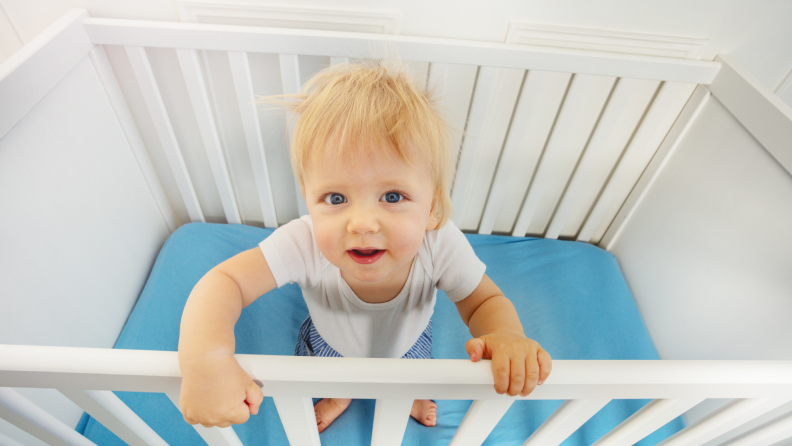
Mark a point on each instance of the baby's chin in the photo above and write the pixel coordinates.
(372, 273)
(365, 273)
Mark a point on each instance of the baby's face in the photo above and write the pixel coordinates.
(369, 214)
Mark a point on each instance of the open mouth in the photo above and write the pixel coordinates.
(366, 256)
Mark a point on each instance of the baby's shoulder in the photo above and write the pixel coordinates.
(444, 234)
(435, 242)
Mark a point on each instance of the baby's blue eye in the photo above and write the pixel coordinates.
(393, 197)
(334, 199)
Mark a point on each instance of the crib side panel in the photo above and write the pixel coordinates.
(80, 229)
(717, 221)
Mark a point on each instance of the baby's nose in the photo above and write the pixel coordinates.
(362, 221)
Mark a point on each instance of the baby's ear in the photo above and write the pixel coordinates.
(431, 225)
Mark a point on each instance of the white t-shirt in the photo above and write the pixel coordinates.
(355, 328)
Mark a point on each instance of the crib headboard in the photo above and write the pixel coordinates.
(554, 141)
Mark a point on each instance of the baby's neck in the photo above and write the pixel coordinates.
(383, 291)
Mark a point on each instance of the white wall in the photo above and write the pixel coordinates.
(757, 34)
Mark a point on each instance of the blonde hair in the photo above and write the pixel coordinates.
(368, 106)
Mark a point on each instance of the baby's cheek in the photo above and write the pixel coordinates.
(327, 242)
(409, 239)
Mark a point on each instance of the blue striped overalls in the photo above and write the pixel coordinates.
(309, 343)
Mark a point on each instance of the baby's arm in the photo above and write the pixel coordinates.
(518, 363)
(215, 390)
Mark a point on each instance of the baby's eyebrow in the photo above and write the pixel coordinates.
(387, 183)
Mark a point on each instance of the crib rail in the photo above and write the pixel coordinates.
(452, 51)
(82, 374)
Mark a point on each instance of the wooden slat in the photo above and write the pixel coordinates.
(536, 112)
(106, 75)
(159, 117)
(240, 71)
(8, 441)
(598, 169)
(578, 115)
(418, 72)
(31, 72)
(298, 419)
(493, 104)
(479, 421)
(196, 87)
(580, 133)
(683, 96)
(659, 160)
(661, 115)
(455, 102)
(290, 77)
(213, 436)
(439, 87)
(390, 421)
(599, 140)
(105, 407)
(36, 421)
(767, 434)
(565, 421)
(648, 419)
(438, 72)
(425, 49)
(761, 111)
(723, 420)
(265, 71)
(516, 160)
(219, 103)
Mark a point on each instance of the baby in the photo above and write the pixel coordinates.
(371, 154)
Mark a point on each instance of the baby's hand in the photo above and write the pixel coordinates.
(216, 391)
(518, 363)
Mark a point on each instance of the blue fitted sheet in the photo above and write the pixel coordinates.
(571, 298)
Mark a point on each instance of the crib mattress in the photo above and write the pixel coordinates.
(571, 297)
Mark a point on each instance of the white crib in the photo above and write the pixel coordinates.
(174, 140)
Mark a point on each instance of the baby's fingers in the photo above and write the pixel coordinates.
(501, 371)
(239, 415)
(545, 365)
(475, 349)
(517, 375)
(531, 375)
(253, 397)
